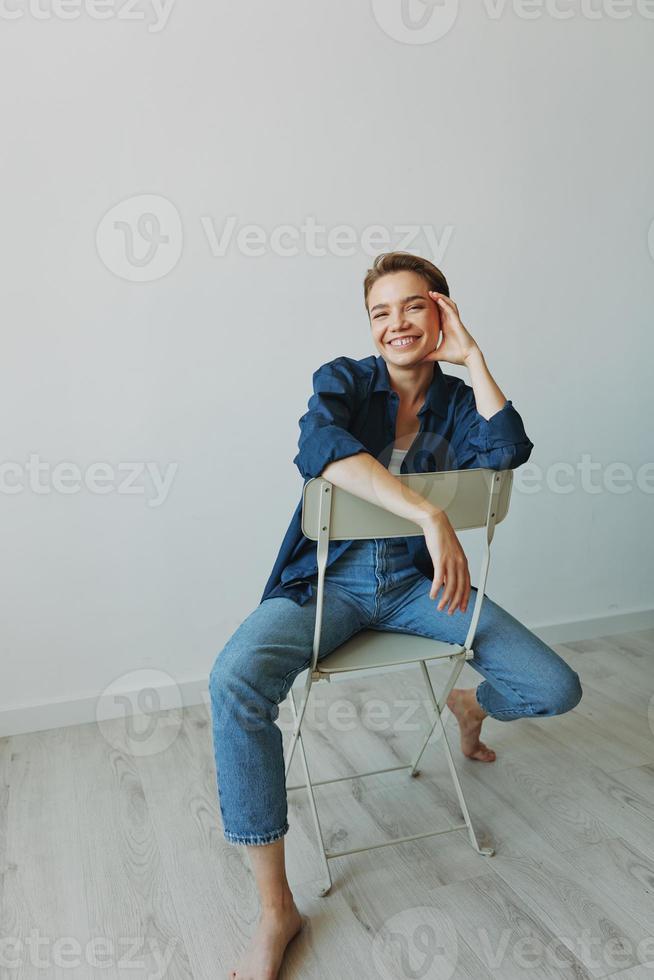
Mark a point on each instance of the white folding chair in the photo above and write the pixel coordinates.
(472, 499)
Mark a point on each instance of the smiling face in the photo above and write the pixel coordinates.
(400, 307)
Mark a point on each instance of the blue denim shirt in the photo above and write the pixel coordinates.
(353, 409)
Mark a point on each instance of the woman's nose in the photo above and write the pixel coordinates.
(396, 320)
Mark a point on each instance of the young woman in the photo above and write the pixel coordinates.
(367, 421)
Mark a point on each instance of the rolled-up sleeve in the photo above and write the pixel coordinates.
(498, 443)
(324, 435)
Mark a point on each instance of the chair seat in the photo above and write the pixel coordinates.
(380, 648)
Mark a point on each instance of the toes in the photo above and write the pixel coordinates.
(483, 754)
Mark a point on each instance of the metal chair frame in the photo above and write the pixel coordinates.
(472, 499)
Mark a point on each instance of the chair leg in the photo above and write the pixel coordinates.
(485, 851)
(312, 802)
(298, 721)
(456, 670)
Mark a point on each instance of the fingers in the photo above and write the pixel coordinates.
(466, 599)
(439, 577)
(462, 582)
(446, 300)
(457, 586)
(450, 585)
(450, 570)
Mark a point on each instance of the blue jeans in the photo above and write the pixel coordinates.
(373, 585)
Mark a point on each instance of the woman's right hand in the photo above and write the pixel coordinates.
(449, 561)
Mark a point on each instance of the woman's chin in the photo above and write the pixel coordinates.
(412, 356)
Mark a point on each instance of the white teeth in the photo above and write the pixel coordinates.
(403, 342)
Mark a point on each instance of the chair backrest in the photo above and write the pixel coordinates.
(470, 498)
(463, 494)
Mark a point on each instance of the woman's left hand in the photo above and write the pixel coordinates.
(457, 344)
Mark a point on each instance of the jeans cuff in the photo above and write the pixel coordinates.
(256, 839)
(508, 714)
(478, 701)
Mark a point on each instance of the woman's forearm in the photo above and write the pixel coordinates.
(489, 397)
(364, 476)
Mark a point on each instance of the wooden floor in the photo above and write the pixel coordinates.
(111, 848)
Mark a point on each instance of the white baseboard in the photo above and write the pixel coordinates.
(590, 629)
(24, 719)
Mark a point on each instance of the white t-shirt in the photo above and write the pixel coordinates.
(396, 461)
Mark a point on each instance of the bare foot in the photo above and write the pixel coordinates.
(469, 714)
(263, 957)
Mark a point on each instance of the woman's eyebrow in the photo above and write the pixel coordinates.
(407, 299)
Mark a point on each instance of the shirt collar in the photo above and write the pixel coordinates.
(437, 397)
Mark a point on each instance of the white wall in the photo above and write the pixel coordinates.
(524, 145)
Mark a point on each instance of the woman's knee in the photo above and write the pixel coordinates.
(222, 678)
(237, 694)
(562, 696)
(236, 687)
(221, 675)
(236, 665)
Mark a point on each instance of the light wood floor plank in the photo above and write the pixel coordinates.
(510, 937)
(128, 898)
(594, 927)
(44, 912)
(621, 872)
